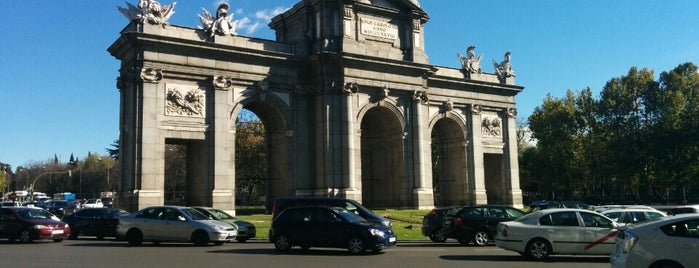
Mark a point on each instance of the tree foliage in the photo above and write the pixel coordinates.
(638, 142)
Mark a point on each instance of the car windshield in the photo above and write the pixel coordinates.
(220, 215)
(194, 214)
(350, 216)
(117, 212)
(34, 214)
(91, 201)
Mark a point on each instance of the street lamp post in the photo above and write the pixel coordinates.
(31, 186)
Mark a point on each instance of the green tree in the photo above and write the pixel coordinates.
(251, 160)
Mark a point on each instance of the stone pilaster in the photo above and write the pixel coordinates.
(478, 192)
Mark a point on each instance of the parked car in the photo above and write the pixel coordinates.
(477, 224)
(107, 202)
(60, 208)
(662, 242)
(433, 224)
(322, 226)
(632, 215)
(93, 203)
(246, 230)
(545, 204)
(99, 222)
(173, 224)
(683, 209)
(558, 231)
(351, 205)
(28, 224)
(602, 208)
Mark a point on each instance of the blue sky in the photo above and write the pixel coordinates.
(58, 81)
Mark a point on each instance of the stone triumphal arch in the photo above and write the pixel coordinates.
(350, 103)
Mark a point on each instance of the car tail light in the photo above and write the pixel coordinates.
(505, 230)
(433, 212)
(629, 240)
(458, 221)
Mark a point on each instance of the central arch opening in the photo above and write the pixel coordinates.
(383, 166)
(449, 166)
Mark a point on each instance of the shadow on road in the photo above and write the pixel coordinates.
(551, 259)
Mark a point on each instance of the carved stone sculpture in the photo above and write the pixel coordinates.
(470, 63)
(184, 102)
(150, 11)
(223, 24)
(504, 69)
(491, 127)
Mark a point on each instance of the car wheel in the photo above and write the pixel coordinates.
(135, 237)
(439, 236)
(200, 238)
(355, 245)
(57, 240)
(25, 236)
(282, 243)
(538, 249)
(666, 264)
(481, 238)
(241, 240)
(100, 237)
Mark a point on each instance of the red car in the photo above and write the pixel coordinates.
(28, 224)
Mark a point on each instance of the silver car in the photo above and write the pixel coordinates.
(173, 224)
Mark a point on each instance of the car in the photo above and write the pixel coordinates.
(107, 202)
(662, 242)
(540, 234)
(433, 224)
(93, 203)
(683, 209)
(478, 223)
(246, 230)
(324, 226)
(60, 208)
(99, 222)
(626, 216)
(28, 224)
(545, 204)
(351, 205)
(173, 224)
(602, 208)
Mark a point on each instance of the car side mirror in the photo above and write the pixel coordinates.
(181, 218)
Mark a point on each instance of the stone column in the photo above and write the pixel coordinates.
(423, 195)
(478, 193)
(512, 190)
(150, 192)
(349, 147)
(222, 172)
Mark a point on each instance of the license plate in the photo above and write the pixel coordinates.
(57, 232)
(391, 239)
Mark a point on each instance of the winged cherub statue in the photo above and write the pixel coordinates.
(223, 23)
(149, 10)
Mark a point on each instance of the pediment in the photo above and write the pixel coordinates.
(412, 5)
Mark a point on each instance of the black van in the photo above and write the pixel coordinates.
(350, 205)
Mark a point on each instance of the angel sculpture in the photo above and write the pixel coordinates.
(223, 23)
(470, 63)
(150, 11)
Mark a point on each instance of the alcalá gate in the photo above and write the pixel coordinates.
(350, 104)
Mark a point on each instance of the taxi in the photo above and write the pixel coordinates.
(558, 231)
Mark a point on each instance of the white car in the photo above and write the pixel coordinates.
(173, 224)
(93, 203)
(666, 242)
(558, 231)
(632, 215)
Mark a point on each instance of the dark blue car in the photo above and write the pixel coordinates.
(332, 227)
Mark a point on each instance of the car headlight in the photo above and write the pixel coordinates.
(39, 227)
(219, 228)
(377, 232)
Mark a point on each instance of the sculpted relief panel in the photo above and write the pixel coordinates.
(184, 100)
(491, 126)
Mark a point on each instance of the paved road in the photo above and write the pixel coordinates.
(106, 253)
